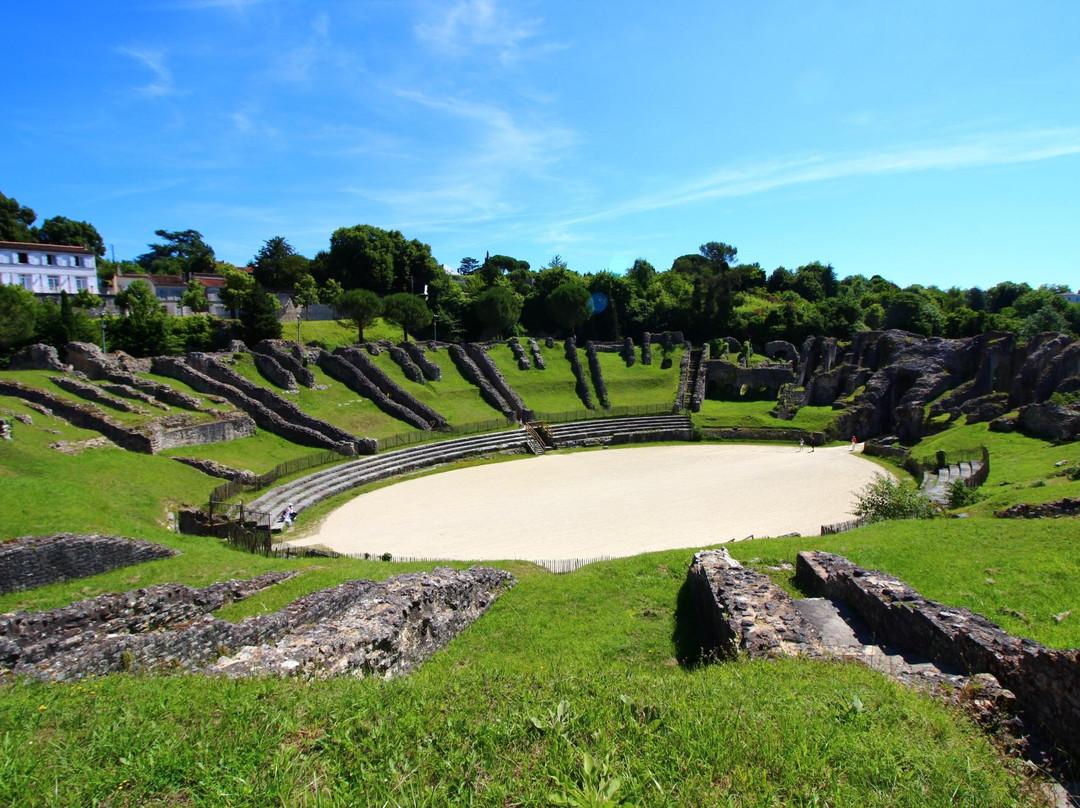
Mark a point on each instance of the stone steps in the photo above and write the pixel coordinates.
(936, 486)
(320, 485)
(604, 429)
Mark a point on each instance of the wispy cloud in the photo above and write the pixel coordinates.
(989, 150)
(154, 60)
(475, 181)
(297, 64)
(462, 27)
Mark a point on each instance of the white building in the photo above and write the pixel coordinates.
(48, 269)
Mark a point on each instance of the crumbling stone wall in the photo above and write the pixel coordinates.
(744, 611)
(700, 380)
(369, 380)
(431, 370)
(538, 358)
(359, 627)
(93, 393)
(214, 469)
(81, 414)
(581, 387)
(519, 354)
(473, 375)
(272, 369)
(290, 356)
(33, 561)
(597, 373)
(1046, 682)
(486, 365)
(285, 419)
(88, 358)
(628, 352)
(238, 426)
(408, 367)
(37, 357)
(646, 348)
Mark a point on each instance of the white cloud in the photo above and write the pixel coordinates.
(155, 61)
(463, 27)
(989, 150)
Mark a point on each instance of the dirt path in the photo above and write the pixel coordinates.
(617, 502)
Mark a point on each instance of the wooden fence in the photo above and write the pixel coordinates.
(233, 488)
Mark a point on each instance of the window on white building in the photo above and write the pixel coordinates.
(80, 284)
(76, 261)
(50, 260)
(54, 283)
(23, 258)
(26, 282)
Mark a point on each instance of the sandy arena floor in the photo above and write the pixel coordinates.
(617, 502)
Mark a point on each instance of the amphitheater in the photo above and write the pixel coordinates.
(601, 504)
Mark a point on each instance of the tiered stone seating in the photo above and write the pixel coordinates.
(621, 430)
(314, 488)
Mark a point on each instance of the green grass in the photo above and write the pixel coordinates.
(461, 730)
(333, 334)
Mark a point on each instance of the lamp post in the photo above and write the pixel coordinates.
(435, 327)
(104, 308)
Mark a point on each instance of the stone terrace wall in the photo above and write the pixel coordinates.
(486, 365)
(474, 376)
(289, 356)
(337, 366)
(519, 353)
(431, 370)
(272, 369)
(85, 415)
(538, 358)
(93, 393)
(33, 561)
(408, 367)
(597, 373)
(239, 426)
(89, 359)
(422, 414)
(298, 430)
(1046, 682)
(581, 387)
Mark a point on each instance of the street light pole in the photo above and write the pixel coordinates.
(435, 327)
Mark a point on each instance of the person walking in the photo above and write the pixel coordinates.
(854, 443)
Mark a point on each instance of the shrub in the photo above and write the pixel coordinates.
(886, 498)
(960, 496)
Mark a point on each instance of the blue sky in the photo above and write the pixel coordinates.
(929, 142)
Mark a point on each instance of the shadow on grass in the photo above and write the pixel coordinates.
(692, 646)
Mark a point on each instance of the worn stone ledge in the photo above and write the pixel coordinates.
(743, 611)
(358, 627)
(32, 561)
(1046, 681)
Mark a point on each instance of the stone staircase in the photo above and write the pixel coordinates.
(935, 485)
(314, 488)
(604, 431)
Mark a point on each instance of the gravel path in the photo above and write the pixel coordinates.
(616, 502)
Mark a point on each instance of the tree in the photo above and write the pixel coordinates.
(366, 257)
(305, 293)
(194, 297)
(238, 285)
(641, 274)
(278, 266)
(408, 311)
(1044, 320)
(362, 306)
(61, 230)
(143, 331)
(498, 308)
(259, 316)
(16, 221)
(468, 266)
(182, 251)
(569, 304)
(18, 316)
(495, 266)
(330, 292)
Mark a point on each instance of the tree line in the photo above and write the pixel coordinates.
(368, 272)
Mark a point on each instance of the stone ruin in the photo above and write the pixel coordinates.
(878, 620)
(357, 628)
(32, 561)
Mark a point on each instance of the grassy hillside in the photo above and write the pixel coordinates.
(481, 723)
